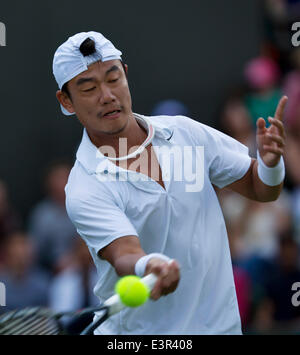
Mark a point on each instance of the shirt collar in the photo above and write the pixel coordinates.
(93, 161)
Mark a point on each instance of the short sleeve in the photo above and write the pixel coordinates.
(98, 219)
(226, 159)
(230, 162)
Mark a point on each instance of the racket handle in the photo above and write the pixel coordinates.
(149, 280)
(115, 304)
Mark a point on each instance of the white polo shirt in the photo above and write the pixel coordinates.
(183, 221)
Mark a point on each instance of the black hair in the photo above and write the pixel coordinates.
(86, 48)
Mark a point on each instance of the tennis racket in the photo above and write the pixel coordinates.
(42, 321)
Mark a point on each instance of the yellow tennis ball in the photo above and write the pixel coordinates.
(132, 291)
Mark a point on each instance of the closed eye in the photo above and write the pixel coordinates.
(94, 87)
(113, 80)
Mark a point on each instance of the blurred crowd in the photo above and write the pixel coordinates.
(44, 262)
(265, 237)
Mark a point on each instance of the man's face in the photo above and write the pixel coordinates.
(100, 97)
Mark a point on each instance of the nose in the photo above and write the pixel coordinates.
(106, 95)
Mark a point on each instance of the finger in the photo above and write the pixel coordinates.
(275, 150)
(156, 291)
(174, 266)
(170, 283)
(168, 274)
(280, 108)
(161, 270)
(163, 287)
(170, 287)
(168, 280)
(173, 270)
(278, 125)
(261, 126)
(275, 138)
(155, 295)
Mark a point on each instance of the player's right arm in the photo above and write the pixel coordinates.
(100, 220)
(123, 253)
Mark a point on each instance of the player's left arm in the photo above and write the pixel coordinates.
(270, 144)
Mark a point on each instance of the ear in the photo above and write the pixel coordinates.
(65, 100)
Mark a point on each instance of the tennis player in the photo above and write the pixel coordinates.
(134, 199)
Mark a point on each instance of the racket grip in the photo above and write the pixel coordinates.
(149, 280)
(115, 304)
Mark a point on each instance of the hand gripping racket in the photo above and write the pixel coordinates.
(42, 321)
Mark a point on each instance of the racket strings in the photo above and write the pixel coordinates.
(31, 321)
(40, 321)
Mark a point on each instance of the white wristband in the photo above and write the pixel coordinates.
(140, 266)
(270, 176)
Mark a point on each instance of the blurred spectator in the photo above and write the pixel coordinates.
(72, 288)
(291, 87)
(279, 15)
(296, 213)
(283, 11)
(49, 224)
(9, 220)
(253, 227)
(292, 153)
(242, 282)
(276, 313)
(170, 108)
(262, 75)
(235, 121)
(25, 285)
(253, 230)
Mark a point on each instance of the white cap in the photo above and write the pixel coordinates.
(68, 61)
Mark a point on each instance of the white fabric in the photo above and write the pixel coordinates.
(69, 62)
(187, 226)
(141, 264)
(271, 176)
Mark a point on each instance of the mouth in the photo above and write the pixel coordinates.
(112, 114)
